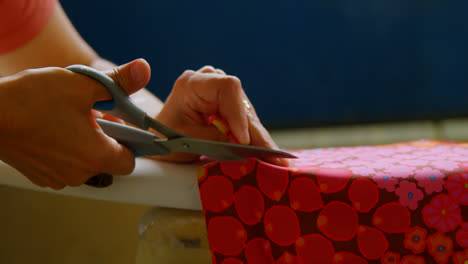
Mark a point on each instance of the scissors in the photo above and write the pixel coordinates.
(144, 143)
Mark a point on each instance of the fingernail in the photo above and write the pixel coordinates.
(136, 72)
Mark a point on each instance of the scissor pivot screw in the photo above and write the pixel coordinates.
(185, 145)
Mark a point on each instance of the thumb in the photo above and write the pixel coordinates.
(131, 77)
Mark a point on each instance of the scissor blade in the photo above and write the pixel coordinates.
(220, 150)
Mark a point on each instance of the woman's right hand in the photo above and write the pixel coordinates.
(47, 131)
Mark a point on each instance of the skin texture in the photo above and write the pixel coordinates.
(197, 95)
(46, 127)
(48, 134)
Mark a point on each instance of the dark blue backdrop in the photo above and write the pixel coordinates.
(301, 62)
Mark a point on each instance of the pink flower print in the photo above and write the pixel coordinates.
(442, 213)
(332, 165)
(405, 156)
(355, 162)
(457, 187)
(460, 151)
(364, 149)
(455, 160)
(414, 162)
(449, 154)
(384, 181)
(388, 161)
(409, 194)
(376, 165)
(444, 165)
(381, 164)
(385, 151)
(324, 159)
(429, 157)
(362, 171)
(458, 158)
(429, 179)
(368, 156)
(404, 149)
(440, 150)
(400, 171)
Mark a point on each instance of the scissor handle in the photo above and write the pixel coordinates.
(122, 107)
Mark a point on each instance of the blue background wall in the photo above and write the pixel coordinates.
(301, 62)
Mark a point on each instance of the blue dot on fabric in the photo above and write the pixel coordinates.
(416, 238)
(432, 177)
(441, 248)
(402, 169)
(391, 259)
(385, 178)
(410, 195)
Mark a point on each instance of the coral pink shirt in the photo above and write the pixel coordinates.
(22, 20)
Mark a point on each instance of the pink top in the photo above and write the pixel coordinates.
(22, 20)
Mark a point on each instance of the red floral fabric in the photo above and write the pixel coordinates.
(399, 203)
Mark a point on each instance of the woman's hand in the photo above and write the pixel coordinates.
(197, 95)
(46, 129)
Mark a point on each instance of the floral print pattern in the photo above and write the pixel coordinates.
(392, 204)
(391, 258)
(440, 247)
(457, 186)
(409, 194)
(415, 239)
(460, 257)
(442, 213)
(430, 180)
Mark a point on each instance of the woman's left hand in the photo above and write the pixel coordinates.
(198, 94)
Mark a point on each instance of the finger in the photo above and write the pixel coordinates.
(209, 133)
(218, 94)
(35, 180)
(45, 176)
(114, 158)
(260, 137)
(26, 168)
(233, 110)
(96, 114)
(100, 115)
(53, 183)
(207, 69)
(40, 174)
(211, 69)
(113, 118)
(219, 71)
(131, 77)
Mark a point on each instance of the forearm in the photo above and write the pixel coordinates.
(60, 45)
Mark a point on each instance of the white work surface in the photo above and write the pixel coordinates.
(152, 182)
